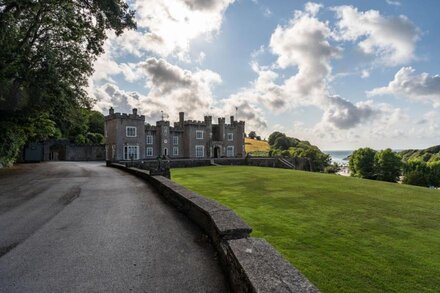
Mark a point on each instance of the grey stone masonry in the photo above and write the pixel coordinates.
(129, 138)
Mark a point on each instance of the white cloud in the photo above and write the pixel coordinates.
(391, 39)
(343, 114)
(419, 87)
(167, 27)
(173, 89)
(394, 3)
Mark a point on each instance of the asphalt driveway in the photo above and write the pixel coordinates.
(83, 227)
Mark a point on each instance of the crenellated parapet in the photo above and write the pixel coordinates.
(117, 115)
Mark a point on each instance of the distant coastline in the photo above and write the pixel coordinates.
(339, 156)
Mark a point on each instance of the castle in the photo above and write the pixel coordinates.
(129, 138)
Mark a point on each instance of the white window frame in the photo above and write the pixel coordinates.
(230, 151)
(175, 151)
(198, 148)
(149, 152)
(127, 130)
(128, 149)
(230, 136)
(149, 139)
(175, 140)
(199, 132)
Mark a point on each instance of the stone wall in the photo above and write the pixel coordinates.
(252, 264)
(85, 152)
(298, 163)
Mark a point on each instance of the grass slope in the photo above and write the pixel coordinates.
(256, 146)
(344, 234)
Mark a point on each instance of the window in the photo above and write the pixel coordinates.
(165, 130)
(131, 152)
(130, 131)
(175, 151)
(230, 136)
(200, 151)
(175, 140)
(149, 151)
(230, 151)
(149, 139)
(199, 134)
(165, 151)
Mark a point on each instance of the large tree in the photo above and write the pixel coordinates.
(387, 165)
(47, 50)
(361, 163)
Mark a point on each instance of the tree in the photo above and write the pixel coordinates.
(434, 173)
(416, 172)
(281, 143)
(387, 165)
(361, 163)
(258, 137)
(47, 50)
(252, 134)
(96, 122)
(274, 136)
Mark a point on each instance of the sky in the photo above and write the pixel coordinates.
(340, 74)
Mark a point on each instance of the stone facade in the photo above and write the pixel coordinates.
(129, 138)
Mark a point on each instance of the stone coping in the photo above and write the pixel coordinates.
(252, 264)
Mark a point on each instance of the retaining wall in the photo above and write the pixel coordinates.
(252, 264)
(299, 163)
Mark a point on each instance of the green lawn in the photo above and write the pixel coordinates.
(345, 234)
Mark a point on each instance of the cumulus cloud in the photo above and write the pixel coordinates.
(173, 89)
(304, 43)
(343, 114)
(391, 39)
(168, 27)
(419, 87)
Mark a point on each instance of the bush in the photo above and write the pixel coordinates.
(332, 169)
(361, 163)
(252, 135)
(416, 172)
(434, 173)
(12, 140)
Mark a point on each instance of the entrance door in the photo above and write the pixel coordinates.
(216, 152)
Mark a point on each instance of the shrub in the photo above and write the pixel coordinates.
(416, 172)
(12, 140)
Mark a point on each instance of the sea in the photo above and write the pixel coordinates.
(339, 156)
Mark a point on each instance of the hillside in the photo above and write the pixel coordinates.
(256, 146)
(345, 234)
(428, 155)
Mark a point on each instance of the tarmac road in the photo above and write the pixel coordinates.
(84, 227)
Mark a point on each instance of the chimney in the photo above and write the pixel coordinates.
(111, 111)
(181, 118)
(135, 111)
(232, 120)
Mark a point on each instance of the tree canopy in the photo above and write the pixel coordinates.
(47, 50)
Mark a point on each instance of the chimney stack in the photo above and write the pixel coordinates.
(135, 111)
(181, 118)
(111, 111)
(232, 120)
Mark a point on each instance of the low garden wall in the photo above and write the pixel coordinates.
(273, 162)
(252, 264)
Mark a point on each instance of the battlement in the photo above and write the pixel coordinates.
(117, 115)
(194, 122)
